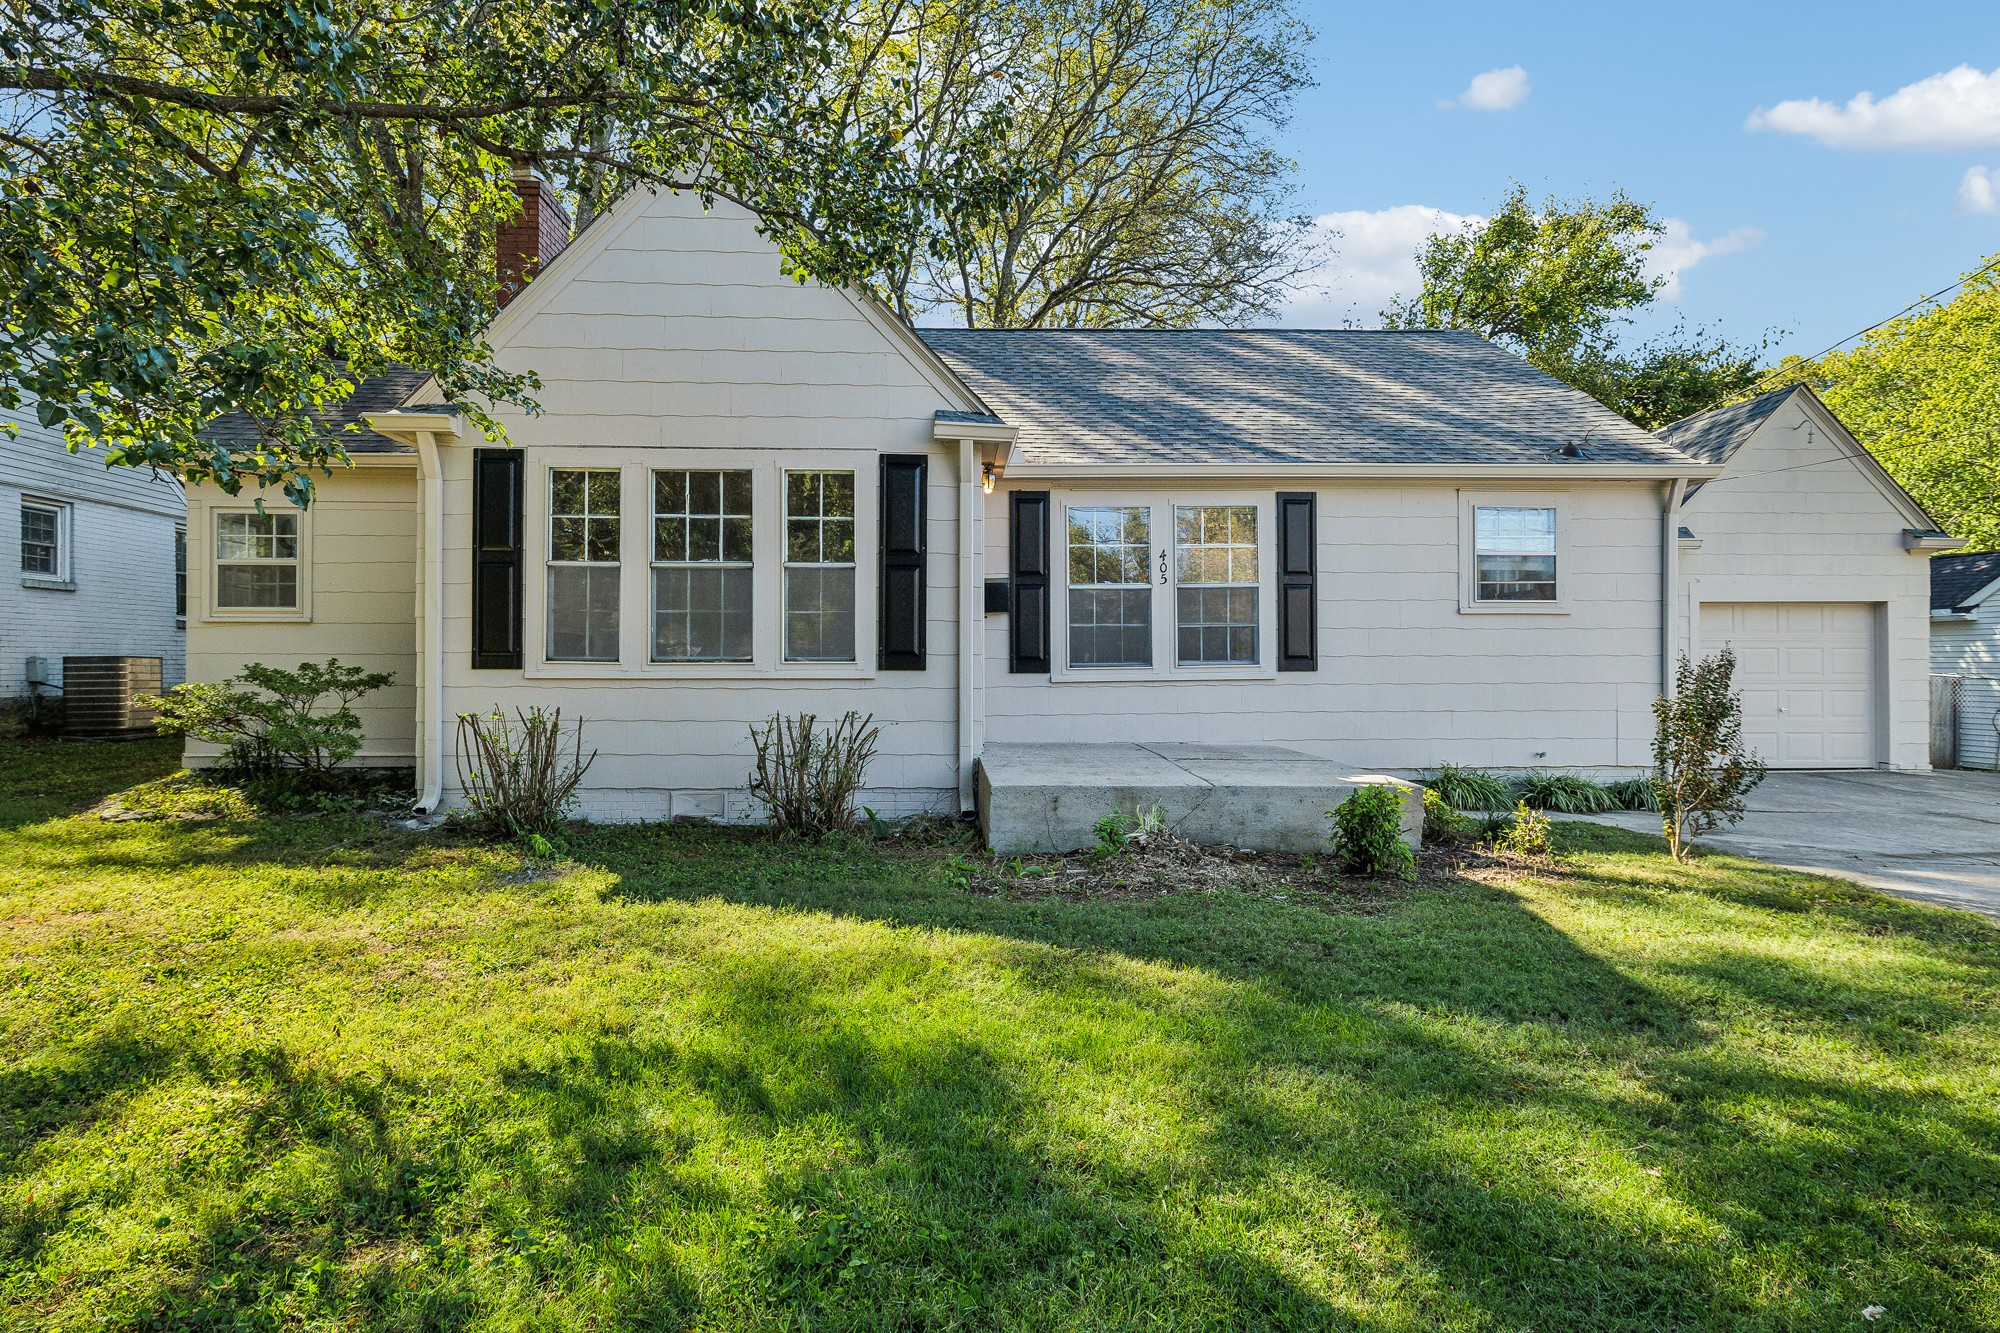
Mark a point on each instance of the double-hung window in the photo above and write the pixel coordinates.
(180, 573)
(819, 567)
(583, 565)
(1215, 568)
(42, 553)
(1110, 586)
(256, 561)
(703, 569)
(1514, 553)
(1159, 586)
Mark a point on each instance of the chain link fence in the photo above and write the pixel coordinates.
(1965, 722)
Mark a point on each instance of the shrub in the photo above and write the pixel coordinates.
(515, 773)
(807, 776)
(1526, 834)
(1701, 772)
(1469, 788)
(1566, 793)
(296, 726)
(1633, 794)
(1114, 834)
(1368, 833)
(1442, 822)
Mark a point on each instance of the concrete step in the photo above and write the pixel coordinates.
(1049, 797)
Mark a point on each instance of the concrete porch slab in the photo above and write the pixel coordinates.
(1048, 797)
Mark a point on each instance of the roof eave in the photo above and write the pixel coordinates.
(405, 427)
(1917, 540)
(1655, 472)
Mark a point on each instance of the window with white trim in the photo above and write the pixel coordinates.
(582, 587)
(1110, 586)
(1216, 592)
(703, 566)
(44, 540)
(180, 573)
(1514, 553)
(256, 560)
(819, 567)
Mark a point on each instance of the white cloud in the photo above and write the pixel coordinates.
(1677, 251)
(1495, 90)
(1957, 109)
(1978, 191)
(1375, 261)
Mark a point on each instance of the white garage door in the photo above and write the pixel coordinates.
(1807, 673)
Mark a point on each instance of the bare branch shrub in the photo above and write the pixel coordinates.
(807, 775)
(1701, 768)
(517, 774)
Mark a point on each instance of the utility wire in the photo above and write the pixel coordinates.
(1982, 271)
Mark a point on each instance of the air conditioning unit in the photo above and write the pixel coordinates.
(98, 695)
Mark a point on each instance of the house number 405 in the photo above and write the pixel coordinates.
(1163, 566)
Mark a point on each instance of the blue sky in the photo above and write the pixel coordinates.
(1822, 218)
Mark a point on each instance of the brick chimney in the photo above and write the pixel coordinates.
(532, 238)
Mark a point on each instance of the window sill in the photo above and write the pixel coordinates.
(727, 673)
(1514, 609)
(1157, 675)
(48, 585)
(275, 615)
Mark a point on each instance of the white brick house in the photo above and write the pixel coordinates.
(97, 553)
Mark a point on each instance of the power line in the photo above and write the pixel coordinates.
(1875, 451)
(1982, 271)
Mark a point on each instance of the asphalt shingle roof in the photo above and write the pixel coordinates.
(1281, 396)
(1957, 577)
(1714, 436)
(377, 393)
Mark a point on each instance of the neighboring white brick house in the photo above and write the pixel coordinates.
(92, 554)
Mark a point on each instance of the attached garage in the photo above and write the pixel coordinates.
(1809, 676)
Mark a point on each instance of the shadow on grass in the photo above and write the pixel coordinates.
(42, 779)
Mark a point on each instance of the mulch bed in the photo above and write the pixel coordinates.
(1161, 864)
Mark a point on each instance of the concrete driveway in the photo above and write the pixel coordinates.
(1934, 837)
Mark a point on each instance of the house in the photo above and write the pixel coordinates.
(1965, 651)
(102, 561)
(1800, 556)
(748, 496)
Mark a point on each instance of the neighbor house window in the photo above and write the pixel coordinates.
(256, 561)
(819, 566)
(1514, 553)
(583, 565)
(702, 568)
(42, 540)
(180, 573)
(1215, 576)
(1110, 586)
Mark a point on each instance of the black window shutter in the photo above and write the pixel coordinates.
(496, 558)
(903, 544)
(1028, 570)
(1298, 590)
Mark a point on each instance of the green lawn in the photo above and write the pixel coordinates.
(317, 1073)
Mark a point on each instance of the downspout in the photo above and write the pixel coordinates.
(430, 648)
(1670, 577)
(970, 616)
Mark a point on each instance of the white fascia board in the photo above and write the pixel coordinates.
(404, 427)
(1198, 472)
(1914, 540)
(1953, 617)
(1979, 598)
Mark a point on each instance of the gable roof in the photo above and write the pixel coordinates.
(1714, 436)
(1195, 396)
(375, 393)
(1956, 580)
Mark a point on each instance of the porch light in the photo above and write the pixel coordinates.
(986, 477)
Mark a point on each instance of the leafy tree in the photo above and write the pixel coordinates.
(1553, 282)
(1141, 129)
(1921, 392)
(1701, 772)
(248, 204)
